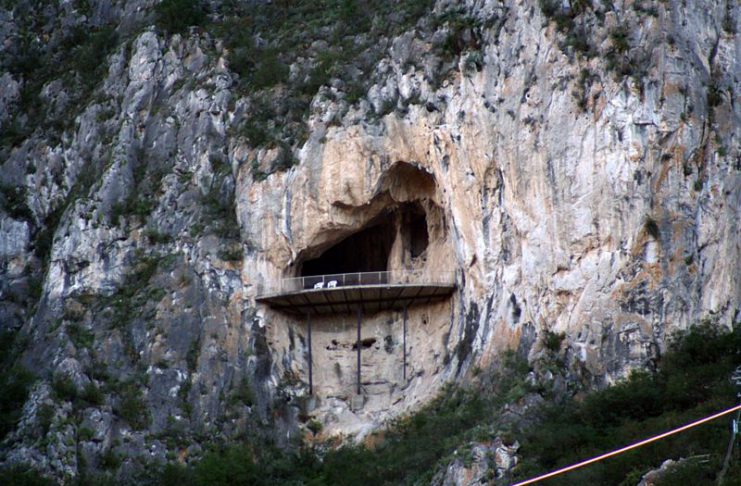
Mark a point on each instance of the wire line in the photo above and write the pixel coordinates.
(629, 447)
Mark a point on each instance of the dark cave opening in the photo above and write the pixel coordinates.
(365, 343)
(370, 249)
(365, 251)
(414, 229)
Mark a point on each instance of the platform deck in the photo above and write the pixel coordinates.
(348, 299)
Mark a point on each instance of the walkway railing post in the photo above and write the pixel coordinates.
(311, 362)
(360, 315)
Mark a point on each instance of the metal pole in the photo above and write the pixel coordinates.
(311, 362)
(360, 316)
(404, 344)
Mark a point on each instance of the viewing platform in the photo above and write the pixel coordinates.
(366, 292)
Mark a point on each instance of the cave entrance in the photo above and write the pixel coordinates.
(414, 229)
(372, 248)
(365, 251)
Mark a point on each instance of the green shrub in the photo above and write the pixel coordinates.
(191, 359)
(92, 394)
(140, 206)
(35, 287)
(233, 466)
(174, 16)
(255, 132)
(314, 426)
(86, 56)
(81, 337)
(552, 340)
(15, 383)
(232, 253)
(14, 202)
(221, 212)
(462, 34)
(45, 417)
(474, 62)
(619, 38)
(64, 388)
(156, 237)
(85, 434)
(691, 382)
(270, 70)
(243, 393)
(132, 407)
(257, 173)
(24, 476)
(110, 460)
(175, 475)
(549, 7)
(714, 96)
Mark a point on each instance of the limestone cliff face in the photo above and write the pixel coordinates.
(613, 223)
(595, 195)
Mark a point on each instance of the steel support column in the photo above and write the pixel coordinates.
(311, 362)
(404, 344)
(359, 345)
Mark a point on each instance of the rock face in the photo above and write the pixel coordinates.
(587, 194)
(482, 464)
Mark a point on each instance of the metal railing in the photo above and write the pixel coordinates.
(393, 277)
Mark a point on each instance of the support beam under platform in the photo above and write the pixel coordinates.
(368, 298)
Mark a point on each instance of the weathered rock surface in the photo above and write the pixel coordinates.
(564, 196)
(482, 464)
